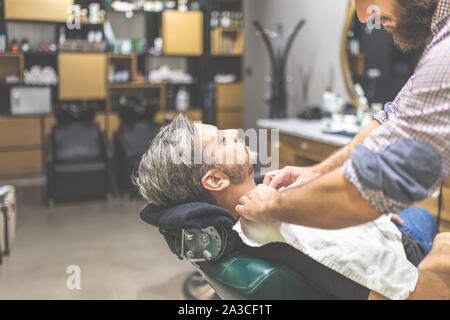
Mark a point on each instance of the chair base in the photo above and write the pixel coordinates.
(195, 287)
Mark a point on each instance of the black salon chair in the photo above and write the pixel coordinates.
(133, 138)
(77, 156)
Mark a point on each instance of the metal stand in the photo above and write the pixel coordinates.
(277, 97)
(195, 287)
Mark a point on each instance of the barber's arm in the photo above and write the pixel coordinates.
(329, 202)
(291, 177)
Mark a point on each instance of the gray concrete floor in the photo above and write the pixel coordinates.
(120, 257)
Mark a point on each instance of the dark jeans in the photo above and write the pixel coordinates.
(419, 225)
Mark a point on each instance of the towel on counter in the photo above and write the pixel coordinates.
(371, 254)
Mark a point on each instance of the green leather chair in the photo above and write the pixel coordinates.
(241, 277)
(238, 275)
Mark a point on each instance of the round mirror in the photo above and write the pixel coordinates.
(374, 69)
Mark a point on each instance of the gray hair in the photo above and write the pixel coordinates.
(166, 174)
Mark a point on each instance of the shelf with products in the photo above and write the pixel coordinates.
(227, 41)
(83, 79)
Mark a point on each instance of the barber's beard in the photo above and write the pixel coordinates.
(413, 27)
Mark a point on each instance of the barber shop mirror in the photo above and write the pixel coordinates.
(374, 69)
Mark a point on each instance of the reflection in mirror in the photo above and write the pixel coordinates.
(377, 69)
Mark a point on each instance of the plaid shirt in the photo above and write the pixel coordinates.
(421, 113)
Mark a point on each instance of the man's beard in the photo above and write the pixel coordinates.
(413, 27)
(238, 173)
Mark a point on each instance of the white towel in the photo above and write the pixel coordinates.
(371, 254)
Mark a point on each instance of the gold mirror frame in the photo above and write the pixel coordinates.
(344, 56)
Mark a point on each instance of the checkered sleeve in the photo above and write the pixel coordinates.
(406, 159)
(381, 117)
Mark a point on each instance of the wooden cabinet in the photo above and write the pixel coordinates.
(229, 103)
(11, 64)
(296, 151)
(182, 33)
(20, 146)
(20, 132)
(227, 41)
(20, 162)
(82, 76)
(38, 10)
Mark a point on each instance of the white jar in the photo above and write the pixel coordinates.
(182, 100)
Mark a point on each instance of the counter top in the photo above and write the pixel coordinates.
(309, 129)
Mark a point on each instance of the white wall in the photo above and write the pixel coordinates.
(317, 48)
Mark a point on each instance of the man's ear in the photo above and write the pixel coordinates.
(215, 180)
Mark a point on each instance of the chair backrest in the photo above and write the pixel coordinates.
(138, 135)
(77, 141)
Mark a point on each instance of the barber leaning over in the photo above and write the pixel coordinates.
(400, 158)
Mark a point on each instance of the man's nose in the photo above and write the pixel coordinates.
(362, 8)
(233, 134)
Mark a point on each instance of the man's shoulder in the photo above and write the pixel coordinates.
(433, 71)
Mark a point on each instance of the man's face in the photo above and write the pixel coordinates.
(410, 24)
(225, 146)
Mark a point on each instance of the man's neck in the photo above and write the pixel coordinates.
(230, 198)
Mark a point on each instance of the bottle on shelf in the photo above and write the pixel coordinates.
(182, 99)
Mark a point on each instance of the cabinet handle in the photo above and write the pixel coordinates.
(304, 146)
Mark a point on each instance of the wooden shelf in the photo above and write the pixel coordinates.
(227, 41)
(134, 85)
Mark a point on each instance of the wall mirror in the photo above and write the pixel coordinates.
(374, 69)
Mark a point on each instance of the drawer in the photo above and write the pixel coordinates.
(306, 148)
(42, 10)
(20, 162)
(20, 132)
(229, 119)
(229, 96)
(182, 33)
(82, 76)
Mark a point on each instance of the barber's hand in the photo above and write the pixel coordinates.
(397, 220)
(290, 177)
(434, 272)
(259, 204)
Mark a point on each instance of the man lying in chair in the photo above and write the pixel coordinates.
(375, 255)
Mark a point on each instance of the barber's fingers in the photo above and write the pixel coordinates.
(244, 200)
(282, 179)
(269, 176)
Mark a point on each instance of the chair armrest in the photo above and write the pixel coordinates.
(108, 157)
(49, 164)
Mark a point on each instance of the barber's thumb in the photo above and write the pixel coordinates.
(276, 181)
(239, 209)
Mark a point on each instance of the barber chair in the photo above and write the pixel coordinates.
(133, 138)
(8, 212)
(202, 234)
(77, 156)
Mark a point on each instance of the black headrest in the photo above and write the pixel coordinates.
(137, 107)
(171, 221)
(69, 112)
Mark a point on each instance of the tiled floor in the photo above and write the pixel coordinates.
(120, 257)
